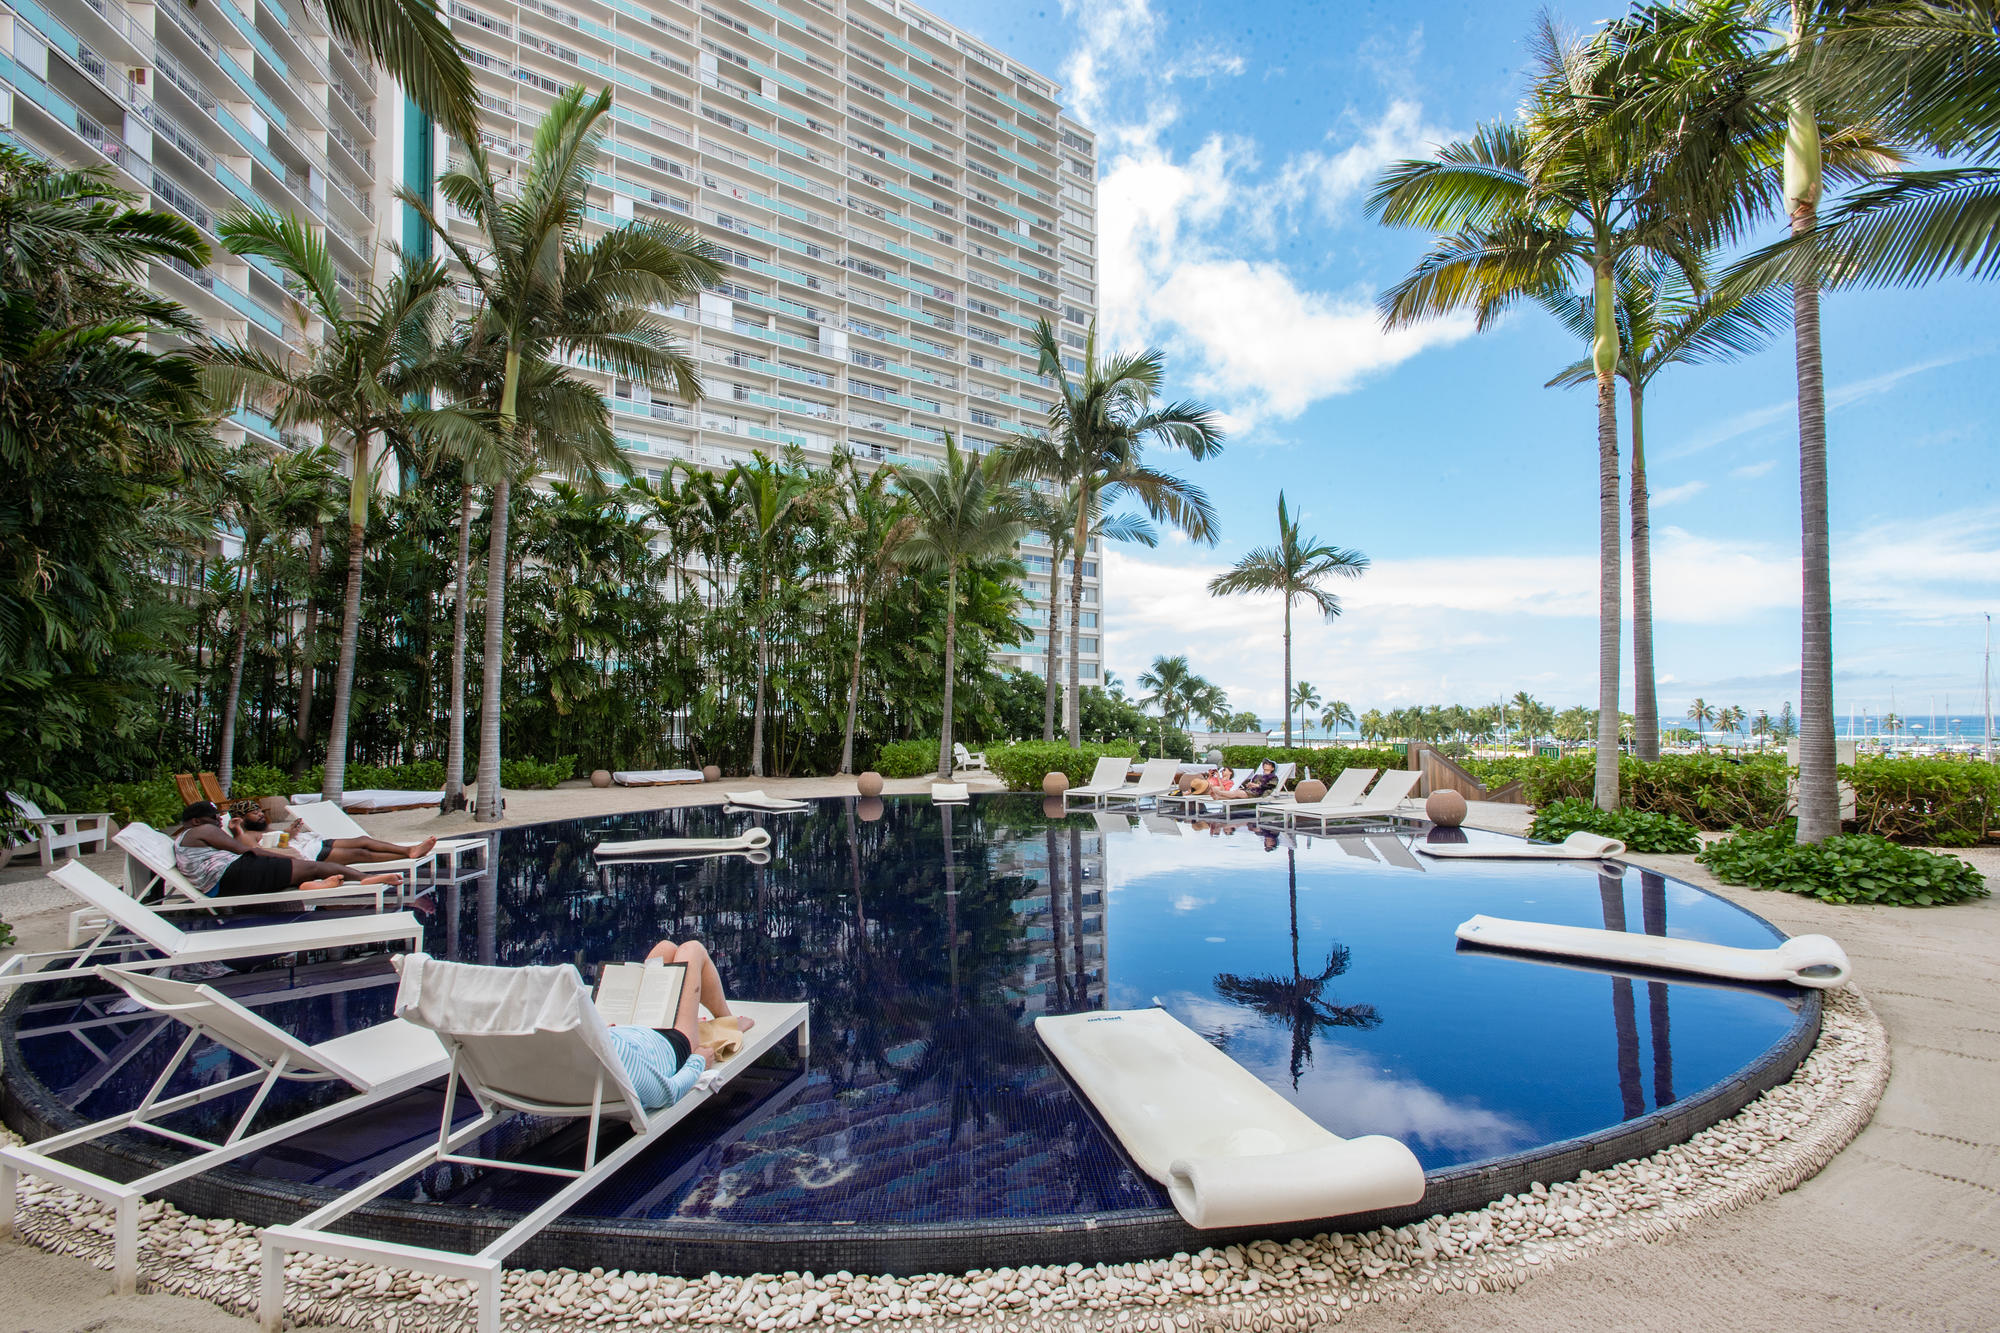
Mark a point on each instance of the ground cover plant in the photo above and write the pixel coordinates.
(1849, 868)
(1639, 830)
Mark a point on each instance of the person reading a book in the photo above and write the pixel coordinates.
(665, 1062)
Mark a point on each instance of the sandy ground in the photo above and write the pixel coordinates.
(1896, 1233)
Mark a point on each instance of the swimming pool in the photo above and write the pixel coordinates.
(931, 1131)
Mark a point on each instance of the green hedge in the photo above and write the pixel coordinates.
(1707, 791)
(1935, 802)
(1022, 767)
(1851, 868)
(1324, 762)
(908, 759)
(1639, 830)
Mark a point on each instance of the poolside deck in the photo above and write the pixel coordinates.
(1887, 1236)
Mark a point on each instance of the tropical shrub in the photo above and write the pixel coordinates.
(1708, 791)
(1936, 802)
(1850, 868)
(1022, 767)
(1498, 772)
(1639, 830)
(530, 774)
(152, 800)
(1323, 762)
(907, 759)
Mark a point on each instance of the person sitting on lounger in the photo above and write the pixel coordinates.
(224, 866)
(306, 845)
(1263, 780)
(664, 1063)
(1223, 783)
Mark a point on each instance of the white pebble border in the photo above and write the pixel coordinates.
(1774, 1144)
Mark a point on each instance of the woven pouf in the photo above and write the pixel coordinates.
(1055, 784)
(869, 783)
(1445, 807)
(1312, 789)
(600, 778)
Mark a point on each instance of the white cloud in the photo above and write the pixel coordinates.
(1751, 471)
(1108, 32)
(1673, 495)
(1330, 180)
(1840, 395)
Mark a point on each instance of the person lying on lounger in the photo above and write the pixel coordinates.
(1263, 780)
(306, 845)
(1223, 783)
(663, 1063)
(224, 866)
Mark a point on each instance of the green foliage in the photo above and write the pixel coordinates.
(1707, 790)
(1932, 802)
(6, 935)
(907, 759)
(1498, 772)
(151, 800)
(1639, 830)
(531, 774)
(1022, 767)
(1850, 868)
(1323, 762)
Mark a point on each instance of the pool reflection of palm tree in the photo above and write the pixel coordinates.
(1299, 1001)
(1624, 1014)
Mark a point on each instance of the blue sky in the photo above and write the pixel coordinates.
(1237, 144)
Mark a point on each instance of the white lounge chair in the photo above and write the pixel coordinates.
(150, 930)
(1156, 778)
(378, 1062)
(657, 777)
(1192, 803)
(1343, 791)
(523, 1040)
(1108, 776)
(967, 761)
(757, 800)
(377, 800)
(1390, 848)
(954, 792)
(452, 861)
(48, 834)
(1382, 805)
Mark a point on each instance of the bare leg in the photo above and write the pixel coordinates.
(331, 875)
(349, 851)
(706, 990)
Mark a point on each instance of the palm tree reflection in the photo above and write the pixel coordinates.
(1611, 893)
(1299, 1001)
(1653, 890)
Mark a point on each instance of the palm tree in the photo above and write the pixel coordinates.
(1663, 320)
(1114, 686)
(544, 293)
(877, 525)
(1702, 714)
(1207, 701)
(1169, 684)
(372, 358)
(1099, 427)
(1294, 569)
(964, 517)
(767, 498)
(1559, 203)
(1305, 698)
(412, 42)
(1334, 716)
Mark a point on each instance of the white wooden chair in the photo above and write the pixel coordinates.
(49, 834)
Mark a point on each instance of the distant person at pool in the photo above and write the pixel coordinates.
(224, 866)
(308, 846)
(664, 1063)
(1263, 781)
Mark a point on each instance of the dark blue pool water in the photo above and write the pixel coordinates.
(927, 940)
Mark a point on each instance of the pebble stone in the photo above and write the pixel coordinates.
(1772, 1145)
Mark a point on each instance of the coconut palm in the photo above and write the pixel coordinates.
(1663, 319)
(1207, 701)
(543, 293)
(1703, 715)
(964, 516)
(1334, 716)
(357, 382)
(1305, 697)
(411, 41)
(877, 524)
(1098, 430)
(1293, 568)
(1167, 683)
(767, 497)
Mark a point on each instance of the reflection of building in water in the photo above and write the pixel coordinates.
(1062, 918)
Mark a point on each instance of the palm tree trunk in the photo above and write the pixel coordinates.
(489, 674)
(1076, 618)
(1609, 628)
(1288, 671)
(1819, 780)
(1079, 986)
(1645, 693)
(854, 687)
(225, 762)
(333, 782)
(763, 637)
(1051, 689)
(308, 633)
(454, 744)
(950, 670)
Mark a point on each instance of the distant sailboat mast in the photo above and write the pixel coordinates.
(1988, 677)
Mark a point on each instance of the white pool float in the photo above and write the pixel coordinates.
(1229, 1149)
(1578, 846)
(1804, 960)
(757, 800)
(750, 840)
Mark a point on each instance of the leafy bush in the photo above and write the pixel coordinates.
(1709, 791)
(1022, 767)
(1323, 762)
(1639, 830)
(1937, 802)
(524, 774)
(6, 935)
(907, 759)
(153, 800)
(1850, 868)
(1498, 772)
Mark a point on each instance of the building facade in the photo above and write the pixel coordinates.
(897, 202)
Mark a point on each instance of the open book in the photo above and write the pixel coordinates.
(642, 994)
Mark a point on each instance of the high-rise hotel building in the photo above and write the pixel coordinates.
(898, 203)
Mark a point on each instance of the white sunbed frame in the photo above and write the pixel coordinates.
(49, 834)
(378, 1062)
(1190, 803)
(1156, 779)
(1344, 791)
(148, 929)
(445, 863)
(1108, 776)
(1382, 805)
(483, 1270)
